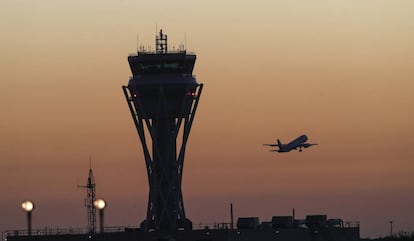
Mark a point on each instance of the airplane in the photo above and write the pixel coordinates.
(299, 142)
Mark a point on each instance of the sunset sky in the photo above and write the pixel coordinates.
(341, 72)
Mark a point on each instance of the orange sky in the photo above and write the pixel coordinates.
(339, 71)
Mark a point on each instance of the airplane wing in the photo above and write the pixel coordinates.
(270, 145)
(306, 145)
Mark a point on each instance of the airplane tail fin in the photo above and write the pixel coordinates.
(279, 143)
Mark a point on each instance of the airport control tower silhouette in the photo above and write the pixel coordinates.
(163, 96)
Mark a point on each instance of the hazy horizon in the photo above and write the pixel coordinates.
(339, 71)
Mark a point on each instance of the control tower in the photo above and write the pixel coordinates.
(163, 96)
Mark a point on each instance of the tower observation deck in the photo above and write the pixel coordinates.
(163, 96)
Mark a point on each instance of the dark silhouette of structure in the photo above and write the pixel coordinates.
(163, 96)
(90, 198)
(281, 228)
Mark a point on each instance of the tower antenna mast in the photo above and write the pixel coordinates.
(90, 198)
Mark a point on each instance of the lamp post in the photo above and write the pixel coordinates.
(100, 204)
(28, 207)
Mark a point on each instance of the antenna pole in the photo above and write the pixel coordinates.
(137, 42)
(90, 198)
(232, 218)
(185, 40)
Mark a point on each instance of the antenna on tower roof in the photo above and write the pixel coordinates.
(185, 41)
(137, 42)
(161, 43)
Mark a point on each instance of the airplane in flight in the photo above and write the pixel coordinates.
(299, 142)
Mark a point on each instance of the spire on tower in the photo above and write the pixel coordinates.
(161, 43)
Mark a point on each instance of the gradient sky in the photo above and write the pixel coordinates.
(340, 71)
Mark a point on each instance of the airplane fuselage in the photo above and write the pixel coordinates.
(293, 145)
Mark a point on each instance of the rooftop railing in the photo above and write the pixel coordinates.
(170, 51)
(47, 231)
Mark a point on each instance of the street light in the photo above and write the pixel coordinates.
(28, 207)
(100, 204)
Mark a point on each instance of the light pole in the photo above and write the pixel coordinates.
(28, 207)
(390, 228)
(100, 204)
